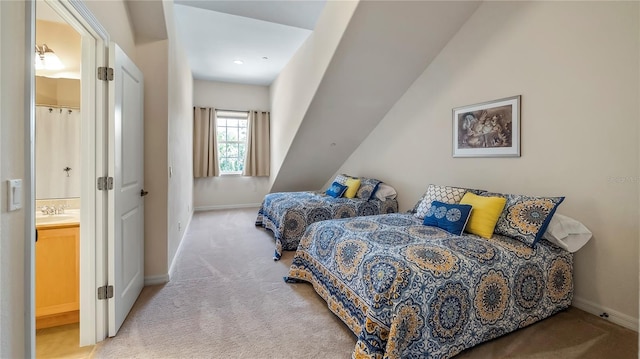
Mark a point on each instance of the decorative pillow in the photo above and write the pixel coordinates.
(352, 187)
(486, 211)
(336, 190)
(444, 194)
(526, 218)
(385, 192)
(450, 217)
(567, 233)
(368, 187)
(341, 179)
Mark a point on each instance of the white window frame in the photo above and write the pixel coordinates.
(233, 115)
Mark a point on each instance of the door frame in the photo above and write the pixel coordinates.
(93, 229)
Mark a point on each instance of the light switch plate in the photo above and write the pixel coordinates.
(14, 194)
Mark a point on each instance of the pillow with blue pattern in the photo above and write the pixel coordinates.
(368, 187)
(525, 218)
(336, 190)
(446, 194)
(450, 217)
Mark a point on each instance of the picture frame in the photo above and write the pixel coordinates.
(488, 129)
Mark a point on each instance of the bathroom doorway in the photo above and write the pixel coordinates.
(109, 281)
(92, 262)
(58, 187)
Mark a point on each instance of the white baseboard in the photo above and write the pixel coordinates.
(227, 206)
(156, 279)
(175, 256)
(613, 315)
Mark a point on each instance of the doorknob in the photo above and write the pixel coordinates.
(143, 193)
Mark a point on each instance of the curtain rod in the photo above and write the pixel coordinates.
(223, 109)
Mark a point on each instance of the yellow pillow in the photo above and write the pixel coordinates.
(484, 215)
(352, 187)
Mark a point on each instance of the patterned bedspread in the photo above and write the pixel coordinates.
(413, 291)
(287, 214)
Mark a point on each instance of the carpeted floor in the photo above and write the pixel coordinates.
(227, 299)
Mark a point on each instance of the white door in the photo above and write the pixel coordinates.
(126, 201)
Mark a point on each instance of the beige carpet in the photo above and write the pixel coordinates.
(227, 299)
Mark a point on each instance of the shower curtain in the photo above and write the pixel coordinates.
(57, 152)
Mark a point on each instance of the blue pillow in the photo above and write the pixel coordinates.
(336, 190)
(450, 217)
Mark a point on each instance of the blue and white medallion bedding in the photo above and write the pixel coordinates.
(287, 214)
(413, 291)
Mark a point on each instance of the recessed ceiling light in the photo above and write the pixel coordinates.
(238, 62)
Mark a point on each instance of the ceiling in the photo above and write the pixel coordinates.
(264, 35)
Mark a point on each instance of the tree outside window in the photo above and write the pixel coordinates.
(231, 130)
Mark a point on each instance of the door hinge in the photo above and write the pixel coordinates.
(105, 292)
(105, 73)
(105, 183)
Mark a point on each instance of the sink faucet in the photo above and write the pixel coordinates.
(52, 210)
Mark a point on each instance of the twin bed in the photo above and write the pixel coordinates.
(287, 214)
(410, 290)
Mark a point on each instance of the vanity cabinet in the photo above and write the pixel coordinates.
(57, 275)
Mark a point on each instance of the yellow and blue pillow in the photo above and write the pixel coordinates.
(526, 218)
(336, 190)
(368, 188)
(451, 217)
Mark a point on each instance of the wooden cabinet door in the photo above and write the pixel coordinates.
(57, 271)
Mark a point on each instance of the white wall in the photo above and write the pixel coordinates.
(113, 16)
(576, 66)
(233, 190)
(153, 62)
(168, 148)
(12, 159)
(180, 140)
(294, 88)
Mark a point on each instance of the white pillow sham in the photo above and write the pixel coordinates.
(567, 233)
(385, 192)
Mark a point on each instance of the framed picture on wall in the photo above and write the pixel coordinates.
(488, 129)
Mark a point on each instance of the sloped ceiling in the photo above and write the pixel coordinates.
(147, 20)
(386, 46)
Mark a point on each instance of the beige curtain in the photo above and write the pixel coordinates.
(257, 160)
(205, 143)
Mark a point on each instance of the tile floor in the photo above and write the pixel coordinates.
(62, 343)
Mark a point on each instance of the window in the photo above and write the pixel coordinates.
(231, 131)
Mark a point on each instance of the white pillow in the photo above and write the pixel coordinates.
(385, 192)
(567, 233)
